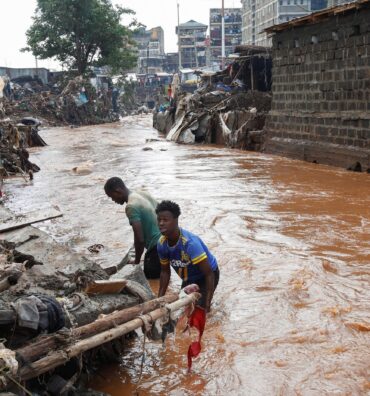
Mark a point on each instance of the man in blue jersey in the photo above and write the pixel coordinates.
(186, 253)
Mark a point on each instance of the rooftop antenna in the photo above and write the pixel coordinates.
(223, 34)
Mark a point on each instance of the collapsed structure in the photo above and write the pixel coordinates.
(321, 91)
(228, 108)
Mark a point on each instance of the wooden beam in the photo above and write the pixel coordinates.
(44, 344)
(58, 358)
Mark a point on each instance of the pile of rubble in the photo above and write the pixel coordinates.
(235, 119)
(47, 292)
(14, 141)
(62, 315)
(79, 103)
(229, 107)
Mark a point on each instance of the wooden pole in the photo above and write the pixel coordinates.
(4, 285)
(179, 36)
(223, 35)
(252, 76)
(45, 344)
(56, 359)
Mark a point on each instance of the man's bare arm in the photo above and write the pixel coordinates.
(206, 269)
(164, 279)
(138, 240)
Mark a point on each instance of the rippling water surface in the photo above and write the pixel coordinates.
(291, 315)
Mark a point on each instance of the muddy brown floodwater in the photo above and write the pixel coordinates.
(291, 315)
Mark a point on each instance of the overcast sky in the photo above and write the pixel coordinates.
(16, 18)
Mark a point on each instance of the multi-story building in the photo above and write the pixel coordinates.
(233, 32)
(258, 15)
(171, 64)
(192, 44)
(150, 46)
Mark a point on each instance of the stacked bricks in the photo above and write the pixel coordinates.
(321, 89)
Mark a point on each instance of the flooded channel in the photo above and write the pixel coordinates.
(291, 315)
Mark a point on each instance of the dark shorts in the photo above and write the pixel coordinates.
(152, 265)
(202, 286)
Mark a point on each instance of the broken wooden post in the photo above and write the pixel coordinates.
(57, 358)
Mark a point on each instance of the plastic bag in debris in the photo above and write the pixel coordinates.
(8, 361)
(81, 99)
(8, 364)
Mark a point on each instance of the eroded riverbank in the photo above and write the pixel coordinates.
(291, 313)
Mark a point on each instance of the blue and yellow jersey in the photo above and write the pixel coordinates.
(189, 251)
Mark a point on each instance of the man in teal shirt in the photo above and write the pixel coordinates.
(140, 211)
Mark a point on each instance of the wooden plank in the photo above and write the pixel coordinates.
(23, 220)
(106, 287)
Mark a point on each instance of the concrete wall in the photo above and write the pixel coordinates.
(321, 92)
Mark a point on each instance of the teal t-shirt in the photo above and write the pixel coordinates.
(141, 207)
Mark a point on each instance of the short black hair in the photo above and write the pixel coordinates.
(169, 206)
(113, 184)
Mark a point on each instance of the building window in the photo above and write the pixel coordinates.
(334, 35)
(296, 43)
(356, 30)
(314, 39)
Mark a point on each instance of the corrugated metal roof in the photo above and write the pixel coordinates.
(319, 16)
(251, 49)
(192, 24)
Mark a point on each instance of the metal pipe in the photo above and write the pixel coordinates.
(178, 35)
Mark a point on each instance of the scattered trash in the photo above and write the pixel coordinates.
(79, 103)
(95, 248)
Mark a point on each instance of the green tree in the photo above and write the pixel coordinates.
(81, 33)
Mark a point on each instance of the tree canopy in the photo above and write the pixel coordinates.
(81, 33)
